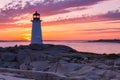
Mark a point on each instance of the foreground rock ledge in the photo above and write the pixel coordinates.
(58, 62)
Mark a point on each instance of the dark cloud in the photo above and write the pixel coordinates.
(101, 30)
(114, 15)
(109, 16)
(114, 22)
(46, 8)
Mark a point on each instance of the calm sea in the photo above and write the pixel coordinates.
(96, 47)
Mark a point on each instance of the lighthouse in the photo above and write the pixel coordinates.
(36, 36)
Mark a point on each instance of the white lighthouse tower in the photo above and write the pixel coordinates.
(36, 37)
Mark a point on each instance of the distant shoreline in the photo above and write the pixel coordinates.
(106, 40)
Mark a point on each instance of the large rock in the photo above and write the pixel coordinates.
(109, 62)
(8, 56)
(12, 49)
(35, 47)
(109, 75)
(21, 56)
(10, 65)
(117, 62)
(39, 65)
(82, 71)
(24, 56)
(2, 49)
(43, 75)
(24, 66)
(67, 68)
(57, 68)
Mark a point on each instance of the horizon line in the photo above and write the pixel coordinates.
(52, 40)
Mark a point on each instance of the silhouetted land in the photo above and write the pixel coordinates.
(107, 40)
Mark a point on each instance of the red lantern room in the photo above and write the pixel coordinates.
(36, 16)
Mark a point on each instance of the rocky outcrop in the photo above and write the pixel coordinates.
(7, 56)
(62, 60)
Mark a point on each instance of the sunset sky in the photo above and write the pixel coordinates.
(61, 19)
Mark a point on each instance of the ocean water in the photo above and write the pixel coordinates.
(95, 47)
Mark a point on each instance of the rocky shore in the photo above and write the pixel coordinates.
(56, 62)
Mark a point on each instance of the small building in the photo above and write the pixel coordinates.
(36, 36)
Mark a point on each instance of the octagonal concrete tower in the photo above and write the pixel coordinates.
(36, 37)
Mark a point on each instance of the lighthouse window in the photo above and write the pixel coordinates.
(38, 16)
(34, 16)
